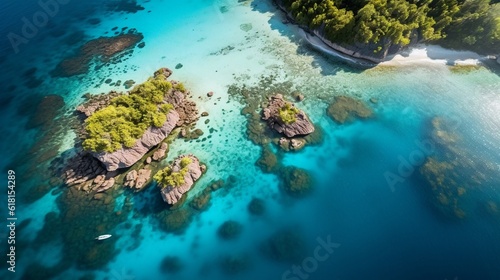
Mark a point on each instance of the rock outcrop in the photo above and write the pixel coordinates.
(88, 174)
(106, 48)
(137, 179)
(297, 124)
(345, 108)
(126, 157)
(192, 172)
(160, 152)
(293, 144)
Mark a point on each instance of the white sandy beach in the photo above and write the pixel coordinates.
(426, 54)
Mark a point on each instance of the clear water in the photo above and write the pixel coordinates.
(383, 232)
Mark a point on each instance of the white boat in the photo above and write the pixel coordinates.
(104, 236)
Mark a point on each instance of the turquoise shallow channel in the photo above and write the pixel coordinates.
(372, 212)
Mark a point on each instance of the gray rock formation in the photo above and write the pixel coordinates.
(171, 194)
(301, 126)
(126, 157)
(160, 152)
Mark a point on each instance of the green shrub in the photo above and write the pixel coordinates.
(288, 113)
(180, 87)
(168, 177)
(128, 116)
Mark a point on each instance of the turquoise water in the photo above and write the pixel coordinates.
(380, 231)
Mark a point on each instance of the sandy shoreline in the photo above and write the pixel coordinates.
(425, 54)
(419, 54)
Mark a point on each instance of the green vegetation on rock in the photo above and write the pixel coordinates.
(168, 177)
(466, 24)
(128, 116)
(288, 113)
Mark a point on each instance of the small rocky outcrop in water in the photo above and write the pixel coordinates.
(137, 179)
(285, 118)
(179, 177)
(346, 108)
(285, 245)
(87, 168)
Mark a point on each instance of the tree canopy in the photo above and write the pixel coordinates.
(469, 24)
(128, 116)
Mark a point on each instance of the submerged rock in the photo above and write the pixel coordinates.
(163, 71)
(234, 264)
(201, 201)
(47, 110)
(268, 161)
(82, 168)
(175, 221)
(103, 47)
(345, 108)
(452, 172)
(229, 230)
(171, 264)
(179, 177)
(295, 181)
(285, 245)
(285, 118)
(256, 207)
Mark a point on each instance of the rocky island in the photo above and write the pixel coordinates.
(121, 129)
(179, 177)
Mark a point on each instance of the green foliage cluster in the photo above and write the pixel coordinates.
(288, 113)
(168, 177)
(180, 87)
(128, 116)
(471, 24)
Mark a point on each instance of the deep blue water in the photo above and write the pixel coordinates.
(380, 231)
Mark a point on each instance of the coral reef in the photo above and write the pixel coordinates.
(46, 111)
(105, 48)
(234, 264)
(171, 264)
(345, 108)
(268, 161)
(175, 221)
(453, 174)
